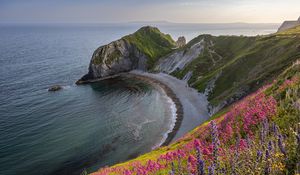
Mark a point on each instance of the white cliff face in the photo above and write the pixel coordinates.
(116, 57)
(288, 24)
(180, 58)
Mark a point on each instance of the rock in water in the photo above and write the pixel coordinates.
(181, 41)
(54, 88)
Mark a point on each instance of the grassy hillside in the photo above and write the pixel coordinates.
(240, 64)
(258, 135)
(153, 43)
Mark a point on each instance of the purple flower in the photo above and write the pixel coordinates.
(258, 156)
(267, 167)
(275, 129)
(211, 170)
(280, 145)
(270, 147)
(266, 126)
(215, 142)
(200, 163)
(179, 164)
(223, 171)
(172, 172)
(267, 155)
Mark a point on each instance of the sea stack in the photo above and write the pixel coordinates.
(181, 41)
(288, 24)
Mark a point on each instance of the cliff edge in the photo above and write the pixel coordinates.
(139, 50)
(288, 25)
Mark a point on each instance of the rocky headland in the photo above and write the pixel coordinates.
(139, 50)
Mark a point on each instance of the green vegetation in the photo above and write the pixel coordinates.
(294, 31)
(153, 43)
(257, 135)
(241, 64)
(148, 40)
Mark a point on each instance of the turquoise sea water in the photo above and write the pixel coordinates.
(80, 127)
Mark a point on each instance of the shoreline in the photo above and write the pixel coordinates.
(154, 82)
(191, 106)
(171, 94)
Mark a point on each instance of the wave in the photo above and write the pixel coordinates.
(173, 109)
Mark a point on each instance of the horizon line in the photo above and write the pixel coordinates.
(133, 22)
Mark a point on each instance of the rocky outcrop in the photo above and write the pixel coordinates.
(288, 24)
(136, 51)
(116, 57)
(55, 88)
(181, 41)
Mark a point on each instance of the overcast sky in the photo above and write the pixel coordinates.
(188, 11)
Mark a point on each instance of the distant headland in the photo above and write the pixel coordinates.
(288, 25)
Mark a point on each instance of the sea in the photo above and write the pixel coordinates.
(80, 128)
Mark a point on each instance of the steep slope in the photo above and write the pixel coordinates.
(258, 135)
(179, 58)
(227, 68)
(288, 25)
(139, 50)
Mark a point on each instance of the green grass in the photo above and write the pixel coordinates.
(293, 31)
(246, 62)
(153, 43)
(148, 40)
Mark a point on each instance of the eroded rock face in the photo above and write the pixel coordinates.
(178, 59)
(139, 50)
(116, 57)
(181, 41)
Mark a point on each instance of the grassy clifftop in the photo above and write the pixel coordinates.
(148, 40)
(153, 43)
(237, 65)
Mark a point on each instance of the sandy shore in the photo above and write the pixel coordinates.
(169, 92)
(191, 105)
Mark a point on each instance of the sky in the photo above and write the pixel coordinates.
(180, 11)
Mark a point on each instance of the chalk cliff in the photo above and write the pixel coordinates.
(288, 25)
